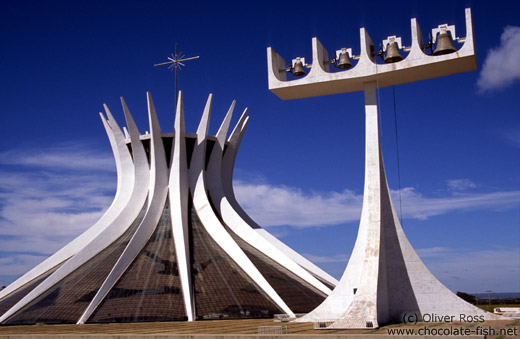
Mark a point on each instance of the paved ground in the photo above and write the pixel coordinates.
(251, 327)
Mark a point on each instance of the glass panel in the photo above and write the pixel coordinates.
(222, 289)
(323, 281)
(68, 299)
(209, 147)
(300, 296)
(150, 289)
(190, 145)
(13, 298)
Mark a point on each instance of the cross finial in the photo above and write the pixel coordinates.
(175, 63)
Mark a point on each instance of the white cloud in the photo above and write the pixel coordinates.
(66, 156)
(281, 205)
(432, 252)
(501, 67)
(511, 135)
(320, 259)
(43, 205)
(475, 270)
(417, 206)
(460, 184)
(19, 263)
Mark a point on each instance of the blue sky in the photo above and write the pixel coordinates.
(459, 136)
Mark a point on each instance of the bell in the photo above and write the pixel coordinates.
(444, 45)
(344, 61)
(392, 53)
(298, 69)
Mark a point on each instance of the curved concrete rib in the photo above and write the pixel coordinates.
(233, 220)
(178, 193)
(128, 213)
(214, 168)
(228, 164)
(125, 179)
(211, 222)
(158, 194)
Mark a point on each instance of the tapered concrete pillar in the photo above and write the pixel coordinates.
(385, 280)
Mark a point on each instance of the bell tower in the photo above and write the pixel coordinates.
(385, 280)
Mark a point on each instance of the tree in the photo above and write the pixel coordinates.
(466, 297)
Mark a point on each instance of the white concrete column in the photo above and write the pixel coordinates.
(365, 267)
(360, 276)
(179, 191)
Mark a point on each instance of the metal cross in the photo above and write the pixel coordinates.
(176, 61)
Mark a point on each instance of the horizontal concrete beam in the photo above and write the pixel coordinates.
(416, 66)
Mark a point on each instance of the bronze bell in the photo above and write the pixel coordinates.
(298, 69)
(392, 53)
(444, 45)
(344, 61)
